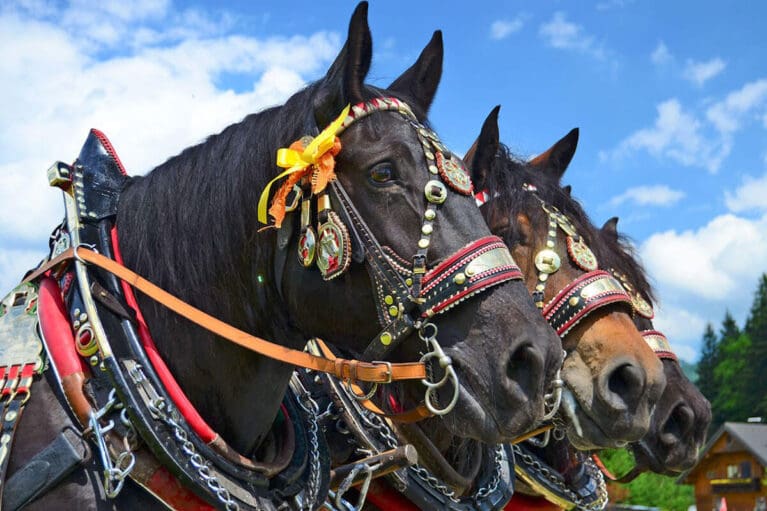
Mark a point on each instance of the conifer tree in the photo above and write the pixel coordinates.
(756, 370)
(709, 357)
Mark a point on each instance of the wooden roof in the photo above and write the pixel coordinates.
(746, 436)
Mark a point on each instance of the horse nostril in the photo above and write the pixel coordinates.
(627, 381)
(680, 423)
(524, 367)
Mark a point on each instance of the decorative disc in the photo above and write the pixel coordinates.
(454, 174)
(547, 261)
(333, 248)
(581, 254)
(641, 306)
(307, 247)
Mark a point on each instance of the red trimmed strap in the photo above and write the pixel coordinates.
(659, 344)
(110, 149)
(564, 315)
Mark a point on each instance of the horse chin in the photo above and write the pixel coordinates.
(469, 419)
(584, 432)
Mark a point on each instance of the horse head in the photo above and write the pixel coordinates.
(682, 415)
(612, 379)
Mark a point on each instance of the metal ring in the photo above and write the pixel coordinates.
(84, 245)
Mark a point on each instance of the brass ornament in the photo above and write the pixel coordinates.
(333, 247)
(454, 174)
(307, 247)
(641, 306)
(581, 254)
(435, 192)
(547, 261)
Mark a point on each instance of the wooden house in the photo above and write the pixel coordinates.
(732, 468)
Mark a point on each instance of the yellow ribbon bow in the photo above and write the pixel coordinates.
(299, 161)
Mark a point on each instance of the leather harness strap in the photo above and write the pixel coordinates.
(341, 368)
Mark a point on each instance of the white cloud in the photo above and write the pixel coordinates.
(728, 115)
(691, 139)
(501, 29)
(161, 93)
(700, 72)
(613, 4)
(751, 195)
(565, 35)
(661, 55)
(679, 324)
(14, 264)
(711, 263)
(676, 135)
(655, 195)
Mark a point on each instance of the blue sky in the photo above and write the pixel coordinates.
(671, 100)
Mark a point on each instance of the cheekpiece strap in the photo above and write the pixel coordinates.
(659, 344)
(590, 291)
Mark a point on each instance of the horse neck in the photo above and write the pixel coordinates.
(189, 226)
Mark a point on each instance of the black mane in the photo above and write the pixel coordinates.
(621, 254)
(505, 184)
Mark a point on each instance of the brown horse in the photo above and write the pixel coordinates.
(190, 226)
(613, 380)
(683, 414)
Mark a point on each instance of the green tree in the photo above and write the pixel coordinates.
(731, 402)
(756, 328)
(648, 489)
(709, 358)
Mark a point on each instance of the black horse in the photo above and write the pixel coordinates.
(190, 226)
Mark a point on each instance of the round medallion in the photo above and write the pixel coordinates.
(307, 245)
(547, 261)
(435, 192)
(454, 174)
(641, 306)
(581, 254)
(333, 247)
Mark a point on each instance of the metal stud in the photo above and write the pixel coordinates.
(423, 243)
(430, 214)
(433, 169)
(408, 281)
(547, 261)
(388, 299)
(386, 338)
(427, 229)
(435, 192)
(574, 301)
(393, 311)
(550, 244)
(540, 287)
(459, 278)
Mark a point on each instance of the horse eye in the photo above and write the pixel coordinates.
(381, 174)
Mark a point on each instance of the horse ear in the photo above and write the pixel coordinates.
(610, 229)
(479, 158)
(568, 190)
(419, 83)
(555, 160)
(344, 81)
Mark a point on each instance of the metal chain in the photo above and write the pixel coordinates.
(115, 473)
(310, 406)
(195, 459)
(386, 436)
(597, 505)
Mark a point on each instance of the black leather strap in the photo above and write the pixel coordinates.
(47, 469)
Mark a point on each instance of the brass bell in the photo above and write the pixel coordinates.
(435, 192)
(547, 261)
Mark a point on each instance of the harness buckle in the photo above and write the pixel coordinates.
(388, 370)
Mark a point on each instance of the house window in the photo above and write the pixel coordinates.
(732, 471)
(745, 469)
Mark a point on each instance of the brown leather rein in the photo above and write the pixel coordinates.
(344, 369)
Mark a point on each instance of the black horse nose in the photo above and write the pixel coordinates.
(525, 366)
(678, 425)
(623, 386)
